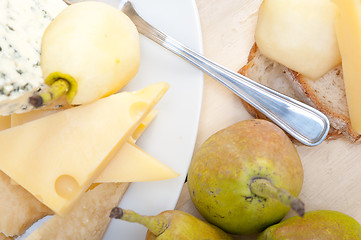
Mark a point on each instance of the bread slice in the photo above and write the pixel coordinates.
(3, 237)
(18, 208)
(326, 94)
(88, 219)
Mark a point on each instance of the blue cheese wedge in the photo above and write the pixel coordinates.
(22, 24)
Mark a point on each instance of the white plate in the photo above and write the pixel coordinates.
(171, 137)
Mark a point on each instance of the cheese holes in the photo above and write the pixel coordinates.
(66, 186)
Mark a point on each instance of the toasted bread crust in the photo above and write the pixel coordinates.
(335, 109)
(275, 76)
(243, 71)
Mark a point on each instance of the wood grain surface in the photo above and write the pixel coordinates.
(332, 170)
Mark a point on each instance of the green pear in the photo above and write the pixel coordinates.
(315, 225)
(246, 177)
(172, 224)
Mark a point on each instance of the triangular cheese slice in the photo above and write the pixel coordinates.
(144, 124)
(130, 164)
(56, 158)
(21, 118)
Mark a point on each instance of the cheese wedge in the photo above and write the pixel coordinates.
(56, 158)
(137, 166)
(348, 31)
(21, 118)
(130, 164)
(17, 119)
(140, 129)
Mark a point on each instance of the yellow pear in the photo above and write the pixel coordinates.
(90, 50)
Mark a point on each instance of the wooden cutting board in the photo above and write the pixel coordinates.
(332, 170)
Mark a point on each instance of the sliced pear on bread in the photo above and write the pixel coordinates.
(299, 34)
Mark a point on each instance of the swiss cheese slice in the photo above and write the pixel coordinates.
(56, 158)
(348, 31)
(130, 164)
(17, 119)
(135, 166)
(144, 124)
(21, 118)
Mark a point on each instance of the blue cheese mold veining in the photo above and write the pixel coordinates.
(22, 24)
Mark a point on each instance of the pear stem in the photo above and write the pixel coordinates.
(59, 88)
(156, 224)
(264, 188)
